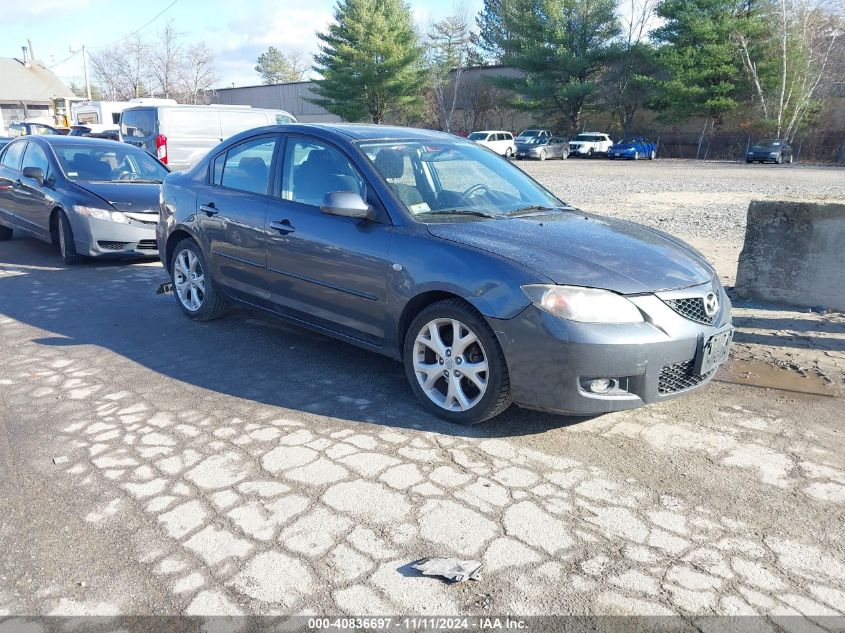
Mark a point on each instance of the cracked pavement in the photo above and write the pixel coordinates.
(244, 466)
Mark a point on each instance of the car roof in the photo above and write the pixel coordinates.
(75, 140)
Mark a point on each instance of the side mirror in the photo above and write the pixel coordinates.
(347, 204)
(36, 173)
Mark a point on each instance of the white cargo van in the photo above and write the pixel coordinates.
(179, 135)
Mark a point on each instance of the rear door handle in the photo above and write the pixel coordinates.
(283, 226)
(209, 209)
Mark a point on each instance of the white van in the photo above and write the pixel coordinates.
(179, 135)
(499, 141)
(102, 115)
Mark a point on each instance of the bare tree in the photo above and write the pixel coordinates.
(165, 60)
(197, 73)
(123, 70)
(449, 46)
(792, 66)
(635, 58)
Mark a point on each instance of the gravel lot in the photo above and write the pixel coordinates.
(154, 465)
(703, 203)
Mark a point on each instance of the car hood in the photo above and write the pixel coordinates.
(527, 146)
(576, 248)
(129, 197)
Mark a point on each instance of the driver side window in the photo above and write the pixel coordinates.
(35, 157)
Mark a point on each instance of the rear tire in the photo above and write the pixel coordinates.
(636, 155)
(508, 153)
(67, 247)
(779, 159)
(193, 286)
(652, 155)
(5, 233)
(564, 154)
(456, 398)
(543, 154)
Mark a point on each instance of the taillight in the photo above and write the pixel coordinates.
(161, 148)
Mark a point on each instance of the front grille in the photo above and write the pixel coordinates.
(111, 246)
(680, 376)
(147, 245)
(691, 308)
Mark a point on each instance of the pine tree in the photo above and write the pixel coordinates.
(275, 67)
(370, 61)
(562, 48)
(697, 51)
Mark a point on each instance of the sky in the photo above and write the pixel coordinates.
(236, 30)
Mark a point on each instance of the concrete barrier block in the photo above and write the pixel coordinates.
(794, 253)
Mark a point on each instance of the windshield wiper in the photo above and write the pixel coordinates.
(534, 208)
(475, 212)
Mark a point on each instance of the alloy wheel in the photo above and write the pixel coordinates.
(189, 280)
(450, 364)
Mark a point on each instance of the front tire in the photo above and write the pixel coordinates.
(67, 247)
(636, 155)
(5, 233)
(543, 154)
(652, 155)
(455, 365)
(194, 288)
(508, 153)
(779, 159)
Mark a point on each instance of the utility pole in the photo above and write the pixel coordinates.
(85, 71)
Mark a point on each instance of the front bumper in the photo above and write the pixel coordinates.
(550, 360)
(101, 238)
(622, 153)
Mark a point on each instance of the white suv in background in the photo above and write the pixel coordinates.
(499, 141)
(589, 143)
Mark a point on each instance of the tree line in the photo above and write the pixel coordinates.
(164, 66)
(771, 63)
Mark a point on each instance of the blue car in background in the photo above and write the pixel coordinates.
(633, 149)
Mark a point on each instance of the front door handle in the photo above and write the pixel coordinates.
(283, 226)
(209, 209)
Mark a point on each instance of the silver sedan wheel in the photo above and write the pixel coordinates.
(450, 364)
(189, 280)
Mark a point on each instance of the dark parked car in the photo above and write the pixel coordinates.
(542, 147)
(770, 151)
(633, 149)
(111, 135)
(90, 197)
(437, 252)
(34, 128)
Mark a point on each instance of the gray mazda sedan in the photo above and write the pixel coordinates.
(438, 253)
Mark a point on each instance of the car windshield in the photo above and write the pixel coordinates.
(478, 136)
(590, 138)
(446, 177)
(108, 163)
(627, 141)
(529, 133)
(769, 143)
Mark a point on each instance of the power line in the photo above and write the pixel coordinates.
(69, 57)
(139, 29)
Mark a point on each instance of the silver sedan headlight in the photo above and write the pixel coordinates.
(586, 305)
(101, 214)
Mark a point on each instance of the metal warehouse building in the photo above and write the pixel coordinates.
(290, 97)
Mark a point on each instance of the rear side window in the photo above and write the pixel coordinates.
(192, 123)
(246, 167)
(138, 123)
(13, 155)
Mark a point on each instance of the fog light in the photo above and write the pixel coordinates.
(599, 385)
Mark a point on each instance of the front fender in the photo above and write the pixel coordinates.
(426, 264)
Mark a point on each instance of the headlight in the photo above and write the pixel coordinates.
(587, 305)
(101, 214)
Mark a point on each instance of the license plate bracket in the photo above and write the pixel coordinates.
(713, 351)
